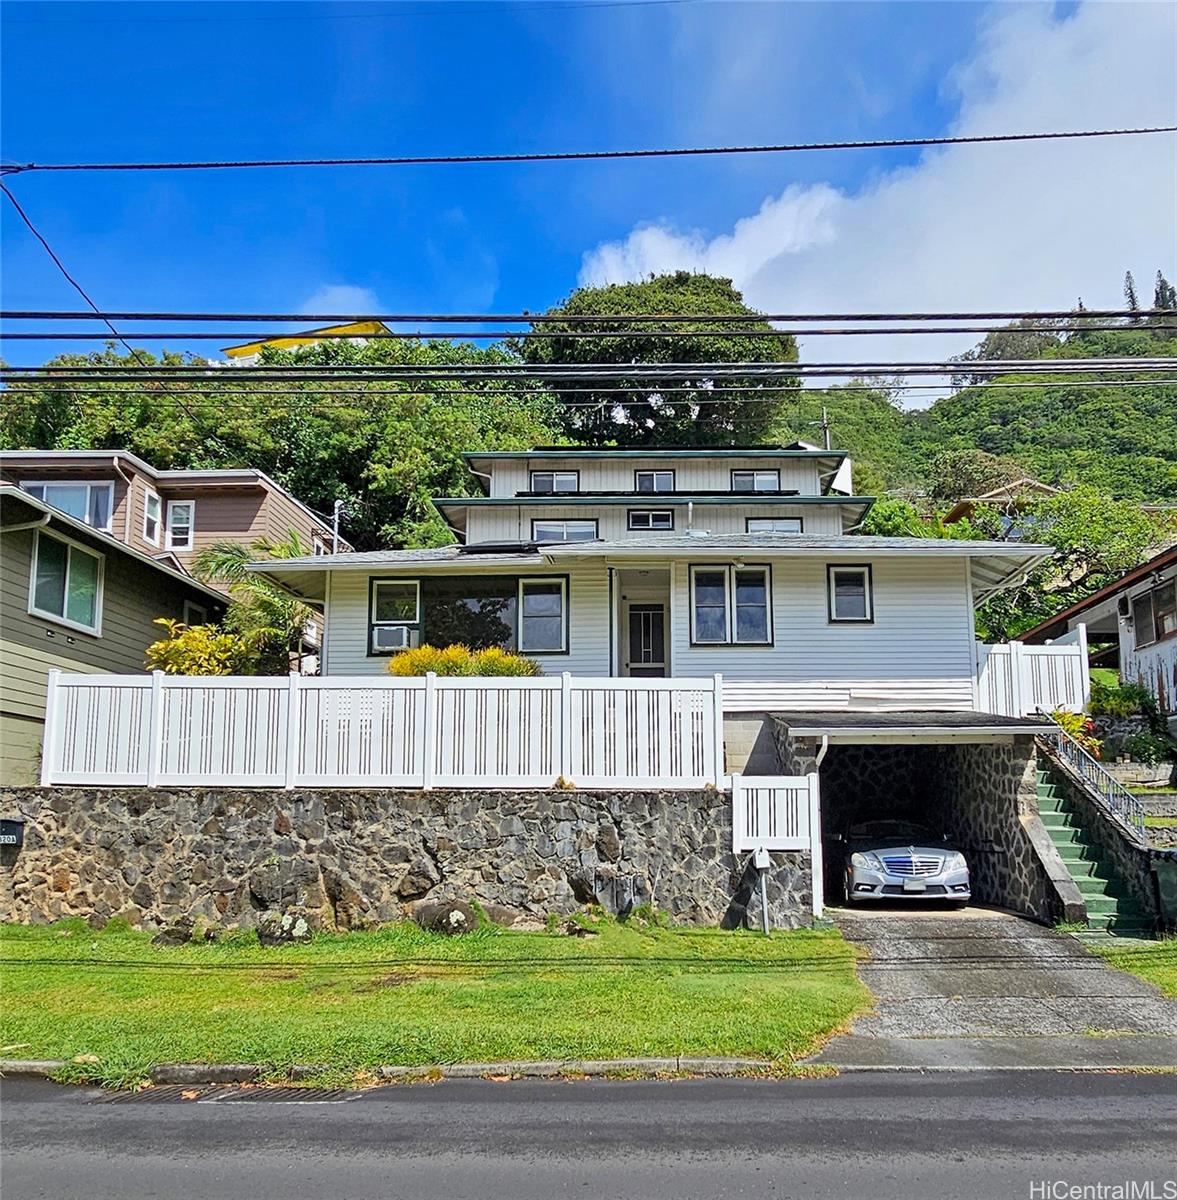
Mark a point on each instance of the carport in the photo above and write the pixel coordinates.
(969, 775)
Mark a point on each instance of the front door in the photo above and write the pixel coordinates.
(647, 641)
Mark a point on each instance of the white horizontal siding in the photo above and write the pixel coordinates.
(917, 653)
(511, 523)
(347, 621)
(691, 474)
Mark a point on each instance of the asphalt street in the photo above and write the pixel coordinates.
(971, 1136)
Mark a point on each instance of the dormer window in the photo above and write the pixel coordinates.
(555, 481)
(756, 481)
(92, 503)
(653, 481)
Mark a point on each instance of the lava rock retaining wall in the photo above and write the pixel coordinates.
(347, 859)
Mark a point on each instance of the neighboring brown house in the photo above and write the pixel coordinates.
(1010, 499)
(77, 599)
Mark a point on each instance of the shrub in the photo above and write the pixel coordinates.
(1121, 700)
(461, 660)
(200, 650)
(1080, 728)
(1150, 748)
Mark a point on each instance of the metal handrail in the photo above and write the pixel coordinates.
(1101, 784)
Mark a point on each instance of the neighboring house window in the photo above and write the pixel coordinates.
(653, 481)
(66, 583)
(394, 615)
(1154, 615)
(543, 616)
(563, 531)
(318, 546)
(850, 594)
(651, 518)
(92, 503)
(195, 614)
(756, 481)
(772, 525)
(152, 512)
(731, 605)
(181, 524)
(555, 481)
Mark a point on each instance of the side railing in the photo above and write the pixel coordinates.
(1101, 785)
(161, 730)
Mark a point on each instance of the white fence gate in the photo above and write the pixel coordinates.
(1016, 680)
(154, 730)
(780, 812)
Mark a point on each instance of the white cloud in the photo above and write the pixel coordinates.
(341, 298)
(1014, 226)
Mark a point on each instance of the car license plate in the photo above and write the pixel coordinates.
(914, 885)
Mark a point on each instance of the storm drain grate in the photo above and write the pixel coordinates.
(170, 1093)
(285, 1095)
(180, 1093)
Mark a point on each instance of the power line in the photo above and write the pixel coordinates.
(526, 318)
(539, 335)
(61, 267)
(585, 155)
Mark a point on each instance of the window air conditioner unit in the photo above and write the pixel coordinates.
(1124, 608)
(390, 637)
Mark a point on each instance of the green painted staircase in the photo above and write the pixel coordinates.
(1111, 910)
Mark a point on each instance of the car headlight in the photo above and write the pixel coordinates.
(955, 862)
(866, 862)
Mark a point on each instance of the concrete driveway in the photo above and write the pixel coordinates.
(983, 987)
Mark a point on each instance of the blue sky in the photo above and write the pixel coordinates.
(219, 80)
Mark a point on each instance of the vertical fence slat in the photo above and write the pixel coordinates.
(155, 729)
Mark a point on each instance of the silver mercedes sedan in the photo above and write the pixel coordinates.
(902, 860)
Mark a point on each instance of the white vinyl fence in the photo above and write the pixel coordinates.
(161, 730)
(779, 812)
(1017, 680)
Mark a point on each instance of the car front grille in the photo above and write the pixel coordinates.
(909, 865)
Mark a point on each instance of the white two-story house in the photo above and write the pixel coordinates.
(678, 562)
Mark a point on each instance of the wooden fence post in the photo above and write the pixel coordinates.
(293, 728)
(816, 865)
(49, 735)
(155, 730)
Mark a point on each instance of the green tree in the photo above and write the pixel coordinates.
(653, 410)
(956, 474)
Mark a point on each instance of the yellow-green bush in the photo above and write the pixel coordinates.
(460, 660)
(200, 650)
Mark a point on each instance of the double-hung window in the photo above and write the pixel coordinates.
(92, 503)
(772, 524)
(651, 518)
(1154, 615)
(395, 615)
(731, 605)
(66, 583)
(653, 481)
(152, 518)
(545, 530)
(756, 481)
(543, 616)
(555, 481)
(851, 598)
(181, 524)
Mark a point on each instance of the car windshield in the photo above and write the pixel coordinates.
(907, 831)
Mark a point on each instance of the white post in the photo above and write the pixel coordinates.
(738, 830)
(155, 730)
(564, 762)
(293, 728)
(49, 735)
(1017, 689)
(430, 739)
(1084, 671)
(815, 852)
(717, 709)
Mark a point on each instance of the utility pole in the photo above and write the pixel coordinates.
(825, 425)
(336, 509)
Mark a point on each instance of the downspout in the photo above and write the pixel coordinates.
(821, 752)
(39, 523)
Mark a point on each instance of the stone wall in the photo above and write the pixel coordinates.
(346, 859)
(981, 795)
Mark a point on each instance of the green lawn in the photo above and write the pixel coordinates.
(1108, 676)
(1154, 961)
(400, 995)
(1155, 821)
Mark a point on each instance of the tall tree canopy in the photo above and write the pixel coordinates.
(650, 411)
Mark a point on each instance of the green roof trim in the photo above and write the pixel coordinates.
(644, 500)
(708, 452)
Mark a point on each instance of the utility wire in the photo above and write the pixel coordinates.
(61, 267)
(538, 335)
(583, 155)
(526, 318)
